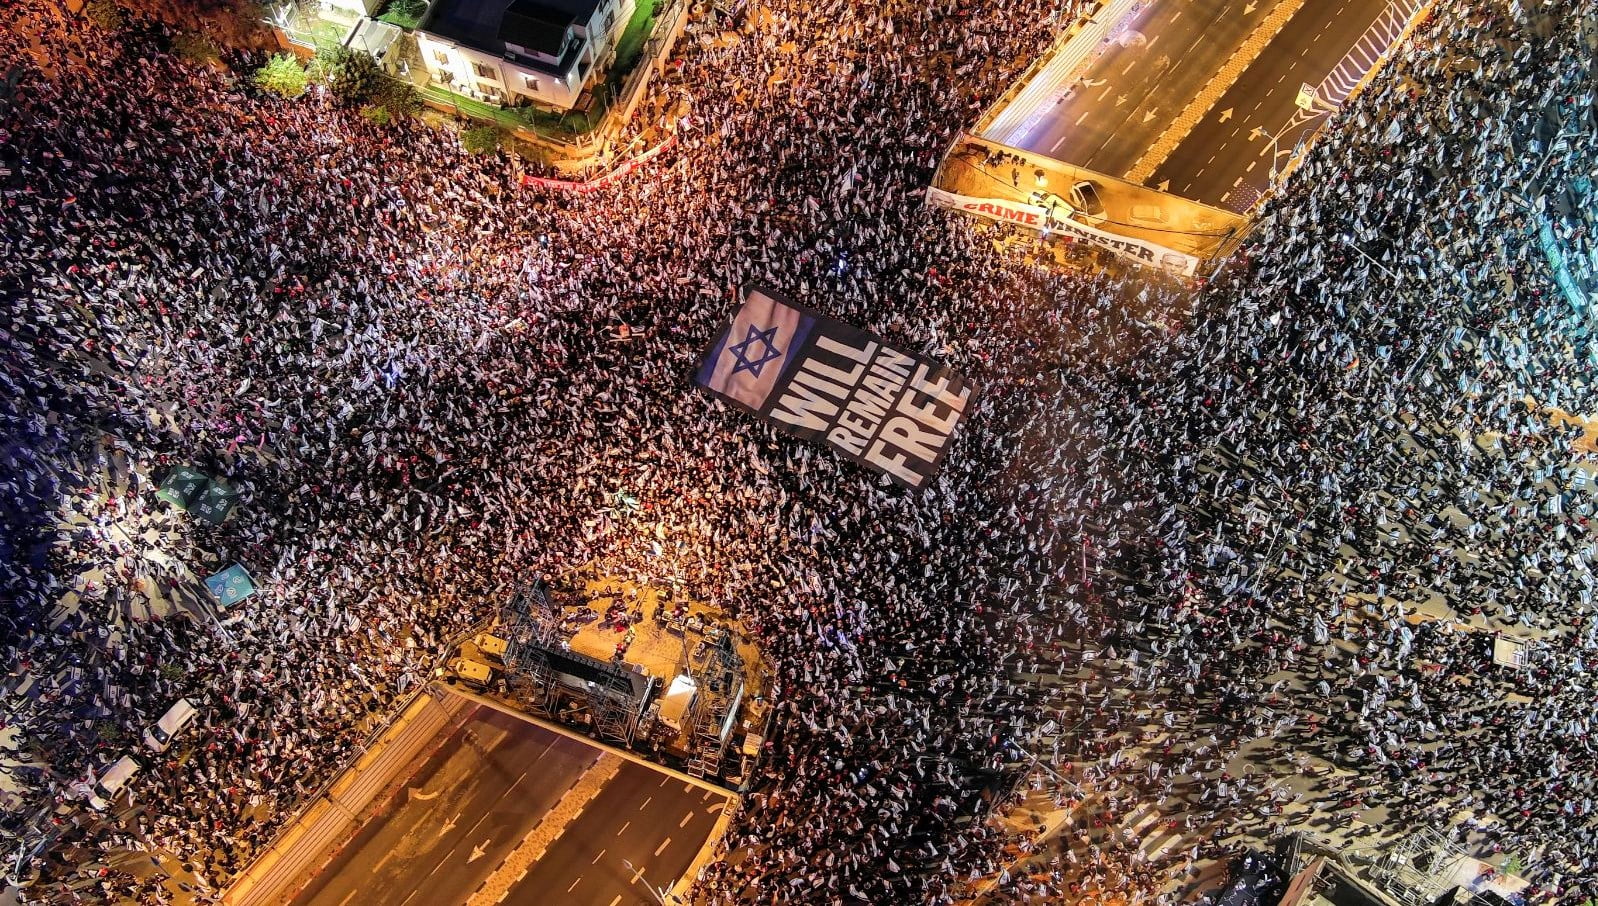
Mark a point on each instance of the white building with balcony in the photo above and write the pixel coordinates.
(514, 52)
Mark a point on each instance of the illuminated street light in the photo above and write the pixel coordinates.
(638, 875)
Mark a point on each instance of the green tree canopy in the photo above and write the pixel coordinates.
(195, 46)
(398, 96)
(482, 139)
(104, 13)
(352, 75)
(282, 75)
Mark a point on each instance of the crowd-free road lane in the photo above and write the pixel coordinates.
(468, 806)
(643, 817)
(1226, 159)
(1128, 97)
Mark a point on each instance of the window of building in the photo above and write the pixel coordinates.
(530, 82)
(441, 57)
(484, 71)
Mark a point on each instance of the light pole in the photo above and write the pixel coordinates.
(1309, 107)
(638, 875)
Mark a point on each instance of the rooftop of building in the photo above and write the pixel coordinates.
(538, 25)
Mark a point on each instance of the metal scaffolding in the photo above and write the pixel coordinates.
(542, 673)
(718, 670)
(1416, 870)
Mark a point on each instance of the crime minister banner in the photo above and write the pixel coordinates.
(821, 379)
(1139, 250)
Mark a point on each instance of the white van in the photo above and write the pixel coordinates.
(105, 790)
(161, 733)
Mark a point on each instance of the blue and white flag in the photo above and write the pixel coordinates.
(821, 379)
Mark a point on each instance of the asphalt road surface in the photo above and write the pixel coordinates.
(656, 822)
(1168, 51)
(1226, 162)
(1129, 96)
(464, 810)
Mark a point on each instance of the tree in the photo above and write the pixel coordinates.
(104, 13)
(377, 115)
(282, 75)
(482, 139)
(196, 47)
(404, 13)
(352, 75)
(398, 96)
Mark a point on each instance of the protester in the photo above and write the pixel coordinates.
(1173, 533)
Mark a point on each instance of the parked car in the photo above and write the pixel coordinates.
(161, 733)
(104, 790)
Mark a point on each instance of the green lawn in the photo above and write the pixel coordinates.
(632, 39)
(326, 33)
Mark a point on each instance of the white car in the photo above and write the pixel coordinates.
(104, 790)
(161, 733)
(1081, 204)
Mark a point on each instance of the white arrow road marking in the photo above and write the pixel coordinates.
(1227, 114)
(479, 850)
(421, 796)
(449, 825)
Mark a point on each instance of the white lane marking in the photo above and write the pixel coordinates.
(645, 803)
(1058, 144)
(441, 862)
(1079, 121)
(615, 901)
(624, 828)
(349, 896)
(681, 824)
(662, 847)
(598, 857)
(574, 884)
(1129, 67)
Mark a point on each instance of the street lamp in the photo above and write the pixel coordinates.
(638, 875)
(1309, 107)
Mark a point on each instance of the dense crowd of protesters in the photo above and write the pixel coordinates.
(429, 383)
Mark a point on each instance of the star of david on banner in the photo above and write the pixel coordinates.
(740, 351)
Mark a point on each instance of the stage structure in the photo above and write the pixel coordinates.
(555, 682)
(718, 671)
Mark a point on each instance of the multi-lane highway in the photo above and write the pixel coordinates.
(1187, 94)
(655, 822)
(463, 811)
(486, 789)
(1330, 44)
(1129, 96)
